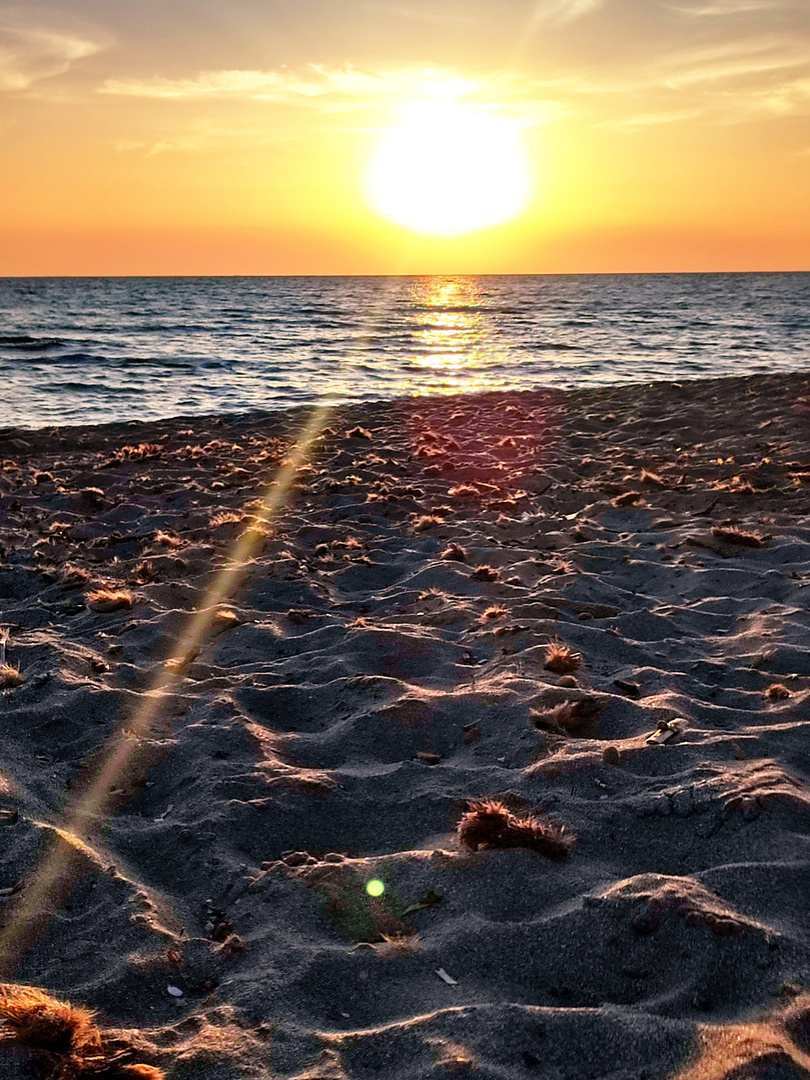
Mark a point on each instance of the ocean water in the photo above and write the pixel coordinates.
(93, 350)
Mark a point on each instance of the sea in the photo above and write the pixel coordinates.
(95, 350)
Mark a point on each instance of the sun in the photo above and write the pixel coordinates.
(447, 168)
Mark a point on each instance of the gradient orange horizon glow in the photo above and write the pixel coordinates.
(199, 137)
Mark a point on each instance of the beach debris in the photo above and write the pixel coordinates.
(109, 599)
(174, 991)
(566, 715)
(497, 611)
(777, 692)
(666, 731)
(471, 733)
(428, 758)
(485, 573)
(425, 522)
(165, 813)
(446, 978)
(64, 1034)
(10, 676)
(5, 637)
(611, 756)
(73, 577)
(732, 534)
(358, 433)
(491, 824)
(628, 498)
(167, 539)
(141, 452)
(647, 476)
(144, 573)
(561, 659)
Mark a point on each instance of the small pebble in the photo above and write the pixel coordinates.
(429, 759)
(611, 756)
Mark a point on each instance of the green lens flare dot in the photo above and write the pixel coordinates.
(375, 887)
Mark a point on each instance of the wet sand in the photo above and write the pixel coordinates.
(381, 669)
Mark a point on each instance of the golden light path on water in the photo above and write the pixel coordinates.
(454, 349)
(453, 344)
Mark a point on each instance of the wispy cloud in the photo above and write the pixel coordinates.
(335, 90)
(718, 8)
(282, 86)
(735, 60)
(370, 95)
(203, 136)
(563, 10)
(418, 14)
(742, 61)
(184, 144)
(645, 120)
(29, 53)
(733, 82)
(788, 98)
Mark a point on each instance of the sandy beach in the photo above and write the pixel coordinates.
(537, 663)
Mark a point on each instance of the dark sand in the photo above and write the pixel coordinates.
(359, 688)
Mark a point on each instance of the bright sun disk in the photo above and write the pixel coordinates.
(448, 168)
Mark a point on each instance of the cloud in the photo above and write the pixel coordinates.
(789, 98)
(428, 15)
(282, 86)
(755, 78)
(715, 8)
(29, 53)
(203, 136)
(184, 144)
(324, 92)
(335, 90)
(736, 60)
(633, 123)
(743, 61)
(563, 10)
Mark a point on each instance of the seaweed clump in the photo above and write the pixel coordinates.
(491, 824)
(64, 1037)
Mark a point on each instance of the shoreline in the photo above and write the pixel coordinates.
(255, 416)
(383, 664)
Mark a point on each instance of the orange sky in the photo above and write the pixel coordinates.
(234, 136)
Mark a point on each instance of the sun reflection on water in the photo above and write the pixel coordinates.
(453, 339)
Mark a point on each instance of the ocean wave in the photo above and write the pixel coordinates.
(26, 343)
(550, 346)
